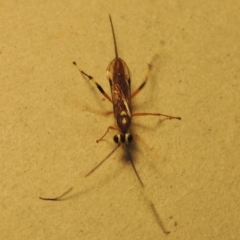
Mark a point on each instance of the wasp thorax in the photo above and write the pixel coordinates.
(123, 138)
(123, 121)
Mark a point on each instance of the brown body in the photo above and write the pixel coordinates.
(119, 79)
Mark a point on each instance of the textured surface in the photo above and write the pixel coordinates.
(51, 117)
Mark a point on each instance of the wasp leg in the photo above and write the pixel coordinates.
(149, 70)
(101, 138)
(156, 114)
(101, 90)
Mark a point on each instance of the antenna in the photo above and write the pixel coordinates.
(114, 38)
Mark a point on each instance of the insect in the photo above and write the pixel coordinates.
(118, 75)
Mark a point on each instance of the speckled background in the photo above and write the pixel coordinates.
(51, 117)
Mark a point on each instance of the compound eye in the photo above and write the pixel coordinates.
(129, 138)
(116, 139)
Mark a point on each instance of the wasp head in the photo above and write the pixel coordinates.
(124, 138)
